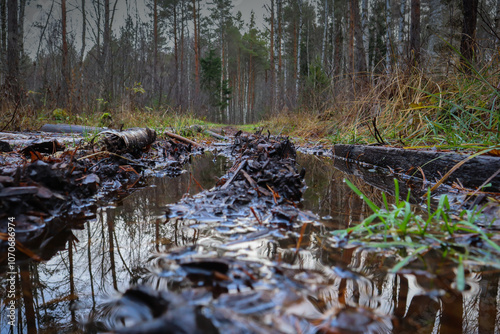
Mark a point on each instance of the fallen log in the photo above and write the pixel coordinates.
(133, 141)
(434, 165)
(209, 133)
(70, 128)
(183, 139)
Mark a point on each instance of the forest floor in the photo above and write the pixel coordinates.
(47, 180)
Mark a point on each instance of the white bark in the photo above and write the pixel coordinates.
(325, 28)
(435, 28)
(364, 29)
(402, 13)
(299, 33)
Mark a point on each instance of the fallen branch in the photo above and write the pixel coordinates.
(69, 128)
(183, 139)
(228, 182)
(208, 132)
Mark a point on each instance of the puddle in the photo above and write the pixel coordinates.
(241, 277)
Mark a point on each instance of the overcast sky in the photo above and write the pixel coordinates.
(37, 12)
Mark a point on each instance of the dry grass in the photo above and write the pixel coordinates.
(410, 109)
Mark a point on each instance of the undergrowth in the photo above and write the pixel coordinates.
(451, 110)
(411, 108)
(398, 225)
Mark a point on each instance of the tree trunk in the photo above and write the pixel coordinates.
(82, 54)
(350, 46)
(3, 38)
(360, 55)
(364, 29)
(415, 32)
(388, 16)
(325, 28)
(436, 24)
(20, 20)
(84, 31)
(402, 11)
(338, 50)
(271, 58)
(64, 62)
(13, 51)
(3, 26)
(155, 46)
(468, 43)
(299, 36)
(176, 58)
(280, 58)
(497, 20)
(107, 52)
(196, 53)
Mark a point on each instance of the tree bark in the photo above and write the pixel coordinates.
(415, 32)
(271, 58)
(84, 32)
(155, 46)
(360, 55)
(3, 26)
(325, 29)
(388, 16)
(280, 58)
(107, 82)
(468, 43)
(436, 26)
(196, 52)
(13, 51)
(402, 11)
(299, 36)
(497, 20)
(64, 63)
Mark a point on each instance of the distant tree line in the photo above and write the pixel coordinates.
(200, 57)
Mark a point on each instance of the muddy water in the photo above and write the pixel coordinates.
(321, 286)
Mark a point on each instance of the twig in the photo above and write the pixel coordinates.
(197, 183)
(255, 214)
(302, 231)
(12, 118)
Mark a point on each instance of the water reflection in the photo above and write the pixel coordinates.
(328, 283)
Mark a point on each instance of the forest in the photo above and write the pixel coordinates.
(334, 59)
